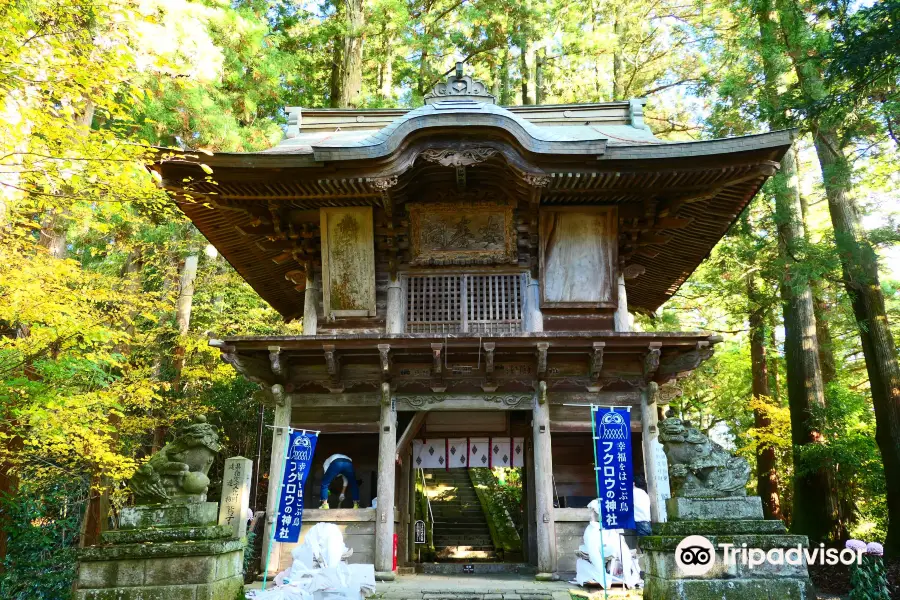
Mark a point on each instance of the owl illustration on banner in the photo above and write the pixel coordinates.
(613, 426)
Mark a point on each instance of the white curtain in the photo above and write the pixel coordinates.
(437, 453)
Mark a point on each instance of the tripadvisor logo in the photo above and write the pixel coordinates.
(695, 555)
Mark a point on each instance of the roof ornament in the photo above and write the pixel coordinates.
(459, 86)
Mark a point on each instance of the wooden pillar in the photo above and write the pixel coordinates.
(384, 519)
(649, 433)
(622, 319)
(310, 306)
(410, 484)
(279, 440)
(543, 485)
(394, 317)
(405, 519)
(530, 503)
(534, 318)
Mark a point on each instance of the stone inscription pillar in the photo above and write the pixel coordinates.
(384, 518)
(543, 485)
(234, 509)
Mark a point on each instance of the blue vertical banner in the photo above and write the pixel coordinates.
(614, 465)
(298, 458)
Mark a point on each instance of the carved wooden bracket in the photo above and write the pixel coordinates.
(683, 364)
(490, 384)
(596, 367)
(537, 180)
(651, 360)
(542, 392)
(384, 350)
(542, 348)
(437, 369)
(668, 392)
(275, 360)
(333, 364)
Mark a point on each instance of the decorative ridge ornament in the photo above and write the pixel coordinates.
(459, 86)
(452, 157)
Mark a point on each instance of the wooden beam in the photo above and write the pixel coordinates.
(410, 433)
(471, 401)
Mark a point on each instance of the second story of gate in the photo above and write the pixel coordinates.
(464, 217)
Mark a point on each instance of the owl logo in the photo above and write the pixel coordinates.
(613, 427)
(302, 442)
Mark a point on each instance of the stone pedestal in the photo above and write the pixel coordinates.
(736, 521)
(164, 552)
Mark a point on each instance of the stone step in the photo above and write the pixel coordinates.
(462, 540)
(458, 568)
(466, 552)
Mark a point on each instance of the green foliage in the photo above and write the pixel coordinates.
(497, 491)
(45, 522)
(868, 580)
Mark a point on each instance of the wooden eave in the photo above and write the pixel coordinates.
(462, 363)
(674, 200)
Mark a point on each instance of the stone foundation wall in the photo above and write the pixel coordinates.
(172, 552)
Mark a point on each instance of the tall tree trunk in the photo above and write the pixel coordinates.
(9, 482)
(823, 330)
(352, 55)
(334, 93)
(540, 93)
(525, 68)
(766, 474)
(386, 85)
(618, 51)
(505, 87)
(53, 234)
(183, 307)
(815, 511)
(858, 262)
(423, 65)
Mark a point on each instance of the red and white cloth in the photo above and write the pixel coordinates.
(462, 453)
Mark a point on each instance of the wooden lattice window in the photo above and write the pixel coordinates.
(464, 303)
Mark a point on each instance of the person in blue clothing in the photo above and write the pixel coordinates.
(339, 465)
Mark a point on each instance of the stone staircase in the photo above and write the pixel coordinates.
(460, 529)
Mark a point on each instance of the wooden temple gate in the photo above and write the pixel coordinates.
(464, 258)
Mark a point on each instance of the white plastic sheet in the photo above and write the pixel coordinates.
(612, 564)
(319, 573)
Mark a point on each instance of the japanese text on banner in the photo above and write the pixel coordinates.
(289, 517)
(615, 475)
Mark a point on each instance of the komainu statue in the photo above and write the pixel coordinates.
(178, 472)
(699, 467)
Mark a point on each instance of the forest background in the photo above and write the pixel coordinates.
(108, 295)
